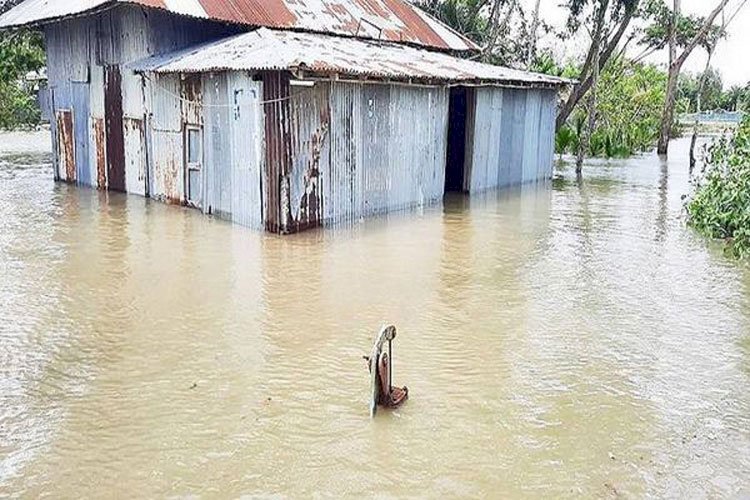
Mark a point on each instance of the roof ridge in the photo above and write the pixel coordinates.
(398, 21)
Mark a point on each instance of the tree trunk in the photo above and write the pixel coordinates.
(665, 130)
(584, 145)
(586, 80)
(693, 140)
(667, 116)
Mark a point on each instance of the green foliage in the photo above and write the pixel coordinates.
(720, 205)
(20, 53)
(706, 89)
(713, 96)
(465, 16)
(656, 34)
(546, 63)
(582, 12)
(566, 139)
(630, 98)
(743, 102)
(18, 107)
(501, 27)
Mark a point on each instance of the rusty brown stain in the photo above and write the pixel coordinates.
(416, 28)
(166, 169)
(337, 9)
(171, 178)
(101, 154)
(374, 7)
(276, 93)
(114, 128)
(311, 205)
(273, 13)
(343, 16)
(66, 143)
(310, 147)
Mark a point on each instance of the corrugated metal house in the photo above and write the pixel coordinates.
(283, 114)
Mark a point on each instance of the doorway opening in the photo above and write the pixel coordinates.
(457, 138)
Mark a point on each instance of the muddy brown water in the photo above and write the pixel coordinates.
(564, 340)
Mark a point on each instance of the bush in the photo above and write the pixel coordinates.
(720, 205)
(630, 100)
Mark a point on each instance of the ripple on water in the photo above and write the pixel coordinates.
(572, 339)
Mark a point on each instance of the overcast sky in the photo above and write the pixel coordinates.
(732, 57)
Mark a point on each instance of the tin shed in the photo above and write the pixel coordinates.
(311, 119)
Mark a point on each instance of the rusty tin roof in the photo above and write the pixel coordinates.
(266, 49)
(395, 20)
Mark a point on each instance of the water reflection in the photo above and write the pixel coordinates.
(572, 339)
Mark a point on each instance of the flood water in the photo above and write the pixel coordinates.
(564, 340)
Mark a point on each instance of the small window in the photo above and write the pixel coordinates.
(194, 147)
(193, 165)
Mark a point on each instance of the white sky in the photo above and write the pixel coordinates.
(732, 57)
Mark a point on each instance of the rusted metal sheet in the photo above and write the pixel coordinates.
(166, 139)
(66, 144)
(310, 125)
(100, 146)
(394, 20)
(135, 156)
(114, 129)
(78, 51)
(168, 181)
(276, 199)
(325, 55)
(297, 149)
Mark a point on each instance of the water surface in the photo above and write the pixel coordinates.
(567, 340)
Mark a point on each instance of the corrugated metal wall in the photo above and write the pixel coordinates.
(341, 151)
(167, 181)
(513, 137)
(78, 50)
(233, 146)
(309, 129)
(387, 147)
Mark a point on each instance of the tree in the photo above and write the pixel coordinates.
(506, 32)
(676, 61)
(596, 38)
(614, 18)
(700, 92)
